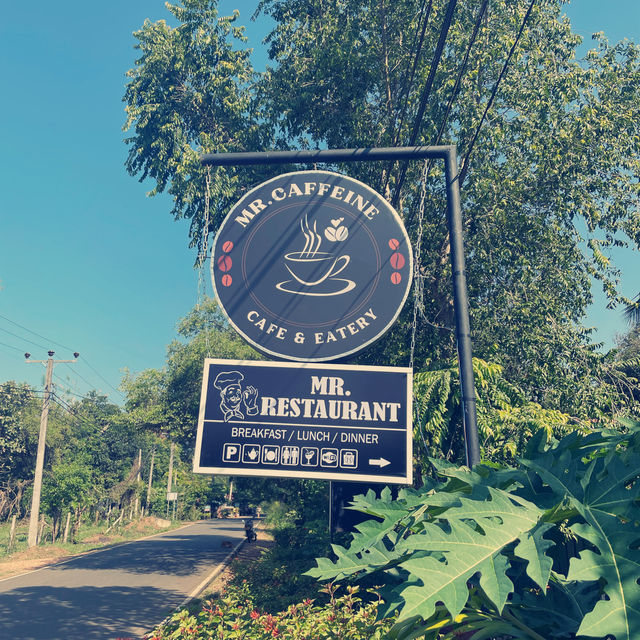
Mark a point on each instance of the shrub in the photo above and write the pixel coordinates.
(277, 579)
(235, 616)
(549, 549)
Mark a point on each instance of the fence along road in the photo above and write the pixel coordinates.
(121, 592)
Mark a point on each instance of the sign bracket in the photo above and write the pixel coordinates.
(454, 221)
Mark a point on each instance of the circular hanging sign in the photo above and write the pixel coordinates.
(311, 266)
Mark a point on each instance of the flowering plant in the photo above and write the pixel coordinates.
(234, 617)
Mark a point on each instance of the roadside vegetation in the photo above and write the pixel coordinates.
(538, 541)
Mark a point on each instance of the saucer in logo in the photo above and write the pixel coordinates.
(311, 266)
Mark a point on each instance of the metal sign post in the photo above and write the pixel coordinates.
(454, 219)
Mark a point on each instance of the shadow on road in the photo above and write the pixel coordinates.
(85, 613)
(171, 555)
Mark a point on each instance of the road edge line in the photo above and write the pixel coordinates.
(203, 585)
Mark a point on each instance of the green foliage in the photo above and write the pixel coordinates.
(545, 549)
(191, 91)
(506, 419)
(549, 188)
(67, 487)
(235, 616)
(277, 578)
(203, 333)
(14, 439)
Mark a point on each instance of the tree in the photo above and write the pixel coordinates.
(204, 332)
(549, 185)
(68, 487)
(17, 453)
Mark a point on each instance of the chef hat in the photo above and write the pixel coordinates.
(225, 378)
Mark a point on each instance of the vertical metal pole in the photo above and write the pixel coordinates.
(170, 478)
(461, 310)
(331, 511)
(153, 457)
(34, 516)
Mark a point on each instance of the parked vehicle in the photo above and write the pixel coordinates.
(249, 531)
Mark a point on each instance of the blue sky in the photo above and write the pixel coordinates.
(87, 261)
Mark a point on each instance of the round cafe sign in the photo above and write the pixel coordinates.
(311, 266)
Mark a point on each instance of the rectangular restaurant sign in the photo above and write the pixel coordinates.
(305, 420)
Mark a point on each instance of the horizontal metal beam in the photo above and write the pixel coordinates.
(454, 217)
(325, 155)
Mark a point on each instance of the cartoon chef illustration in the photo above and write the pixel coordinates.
(233, 397)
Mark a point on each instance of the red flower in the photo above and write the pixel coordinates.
(255, 615)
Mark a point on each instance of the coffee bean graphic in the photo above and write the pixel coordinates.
(224, 263)
(397, 261)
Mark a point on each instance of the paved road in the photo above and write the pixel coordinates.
(120, 592)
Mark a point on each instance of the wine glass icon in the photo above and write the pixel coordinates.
(308, 454)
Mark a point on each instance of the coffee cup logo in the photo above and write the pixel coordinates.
(314, 272)
(311, 266)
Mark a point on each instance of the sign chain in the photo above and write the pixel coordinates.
(202, 256)
(418, 279)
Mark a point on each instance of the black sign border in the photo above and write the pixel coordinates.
(308, 475)
(246, 197)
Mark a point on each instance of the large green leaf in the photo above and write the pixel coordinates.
(476, 533)
(619, 564)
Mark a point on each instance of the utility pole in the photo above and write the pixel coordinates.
(34, 516)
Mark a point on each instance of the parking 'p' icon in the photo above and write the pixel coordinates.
(231, 452)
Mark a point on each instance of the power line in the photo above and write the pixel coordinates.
(422, 28)
(35, 334)
(456, 87)
(15, 335)
(4, 344)
(444, 31)
(465, 164)
(71, 411)
(81, 378)
(101, 376)
(55, 343)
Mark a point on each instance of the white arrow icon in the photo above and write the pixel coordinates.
(379, 462)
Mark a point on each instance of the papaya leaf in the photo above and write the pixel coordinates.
(559, 612)
(599, 490)
(349, 563)
(467, 550)
(532, 548)
(619, 564)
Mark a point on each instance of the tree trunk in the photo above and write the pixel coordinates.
(12, 534)
(66, 527)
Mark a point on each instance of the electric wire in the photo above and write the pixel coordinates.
(84, 360)
(15, 335)
(455, 90)
(100, 376)
(19, 387)
(34, 333)
(465, 163)
(404, 98)
(79, 376)
(424, 98)
(421, 29)
(61, 384)
(4, 344)
(71, 411)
